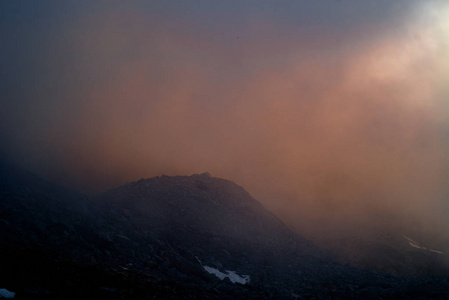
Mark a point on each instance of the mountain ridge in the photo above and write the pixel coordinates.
(169, 237)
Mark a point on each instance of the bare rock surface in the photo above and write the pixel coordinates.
(180, 237)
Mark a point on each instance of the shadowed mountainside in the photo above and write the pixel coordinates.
(169, 238)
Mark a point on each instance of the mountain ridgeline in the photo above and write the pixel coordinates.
(180, 237)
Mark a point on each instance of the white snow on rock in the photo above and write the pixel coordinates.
(415, 244)
(232, 275)
(4, 293)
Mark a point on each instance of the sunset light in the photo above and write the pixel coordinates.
(333, 115)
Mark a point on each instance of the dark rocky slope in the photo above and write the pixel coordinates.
(393, 251)
(156, 238)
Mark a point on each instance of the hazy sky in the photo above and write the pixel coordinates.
(324, 110)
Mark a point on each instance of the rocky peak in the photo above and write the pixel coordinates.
(169, 237)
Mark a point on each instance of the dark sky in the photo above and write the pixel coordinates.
(323, 110)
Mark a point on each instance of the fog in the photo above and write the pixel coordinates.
(334, 118)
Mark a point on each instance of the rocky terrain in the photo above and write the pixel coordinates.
(181, 237)
(390, 251)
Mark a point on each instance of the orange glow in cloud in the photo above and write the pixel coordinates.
(322, 135)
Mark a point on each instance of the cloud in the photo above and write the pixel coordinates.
(327, 130)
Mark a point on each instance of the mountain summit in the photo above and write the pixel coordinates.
(168, 237)
(209, 209)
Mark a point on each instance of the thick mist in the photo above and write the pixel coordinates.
(333, 123)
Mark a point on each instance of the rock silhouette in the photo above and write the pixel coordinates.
(180, 237)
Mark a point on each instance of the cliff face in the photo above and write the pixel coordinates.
(169, 238)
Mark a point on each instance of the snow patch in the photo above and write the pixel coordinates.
(232, 275)
(4, 293)
(436, 251)
(416, 245)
